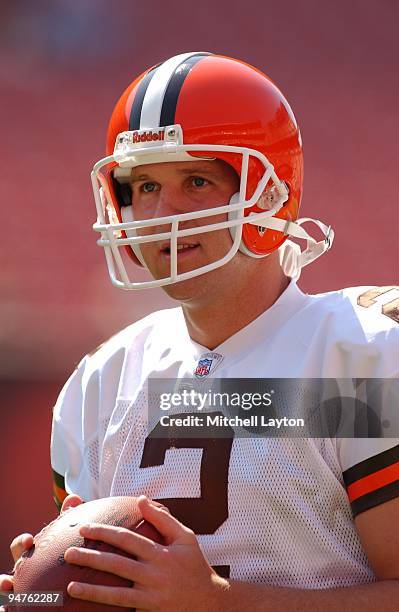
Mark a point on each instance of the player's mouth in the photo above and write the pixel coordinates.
(184, 249)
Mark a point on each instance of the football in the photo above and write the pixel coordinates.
(43, 567)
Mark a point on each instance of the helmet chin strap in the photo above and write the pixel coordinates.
(289, 254)
(292, 259)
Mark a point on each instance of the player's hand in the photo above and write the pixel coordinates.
(25, 540)
(19, 544)
(172, 577)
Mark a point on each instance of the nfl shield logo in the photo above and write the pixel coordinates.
(207, 364)
(203, 368)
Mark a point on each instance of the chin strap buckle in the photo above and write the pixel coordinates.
(329, 237)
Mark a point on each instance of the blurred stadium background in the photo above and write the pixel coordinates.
(63, 65)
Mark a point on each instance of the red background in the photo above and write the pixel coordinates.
(63, 65)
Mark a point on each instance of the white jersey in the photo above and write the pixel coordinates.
(277, 511)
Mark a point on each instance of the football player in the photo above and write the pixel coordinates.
(201, 187)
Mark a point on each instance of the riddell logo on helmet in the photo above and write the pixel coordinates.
(148, 136)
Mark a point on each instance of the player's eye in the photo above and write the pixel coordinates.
(148, 187)
(199, 181)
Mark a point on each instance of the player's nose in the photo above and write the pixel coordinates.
(172, 200)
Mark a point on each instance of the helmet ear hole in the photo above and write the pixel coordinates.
(123, 193)
(271, 197)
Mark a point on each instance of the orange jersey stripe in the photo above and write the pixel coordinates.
(375, 481)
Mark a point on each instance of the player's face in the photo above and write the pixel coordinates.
(160, 190)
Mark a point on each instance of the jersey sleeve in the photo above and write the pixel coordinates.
(71, 471)
(370, 468)
(370, 345)
(370, 465)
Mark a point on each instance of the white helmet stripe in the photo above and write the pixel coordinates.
(155, 94)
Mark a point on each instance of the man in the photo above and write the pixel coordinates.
(202, 186)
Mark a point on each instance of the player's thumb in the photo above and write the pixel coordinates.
(20, 544)
(163, 521)
(71, 501)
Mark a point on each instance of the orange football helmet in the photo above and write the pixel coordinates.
(210, 106)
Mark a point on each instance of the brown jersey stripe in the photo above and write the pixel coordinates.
(371, 465)
(58, 479)
(372, 482)
(380, 496)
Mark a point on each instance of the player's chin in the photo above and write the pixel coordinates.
(187, 291)
(195, 288)
(190, 288)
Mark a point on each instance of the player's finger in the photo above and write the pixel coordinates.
(71, 501)
(133, 543)
(20, 544)
(164, 522)
(6, 582)
(117, 596)
(109, 562)
(159, 505)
